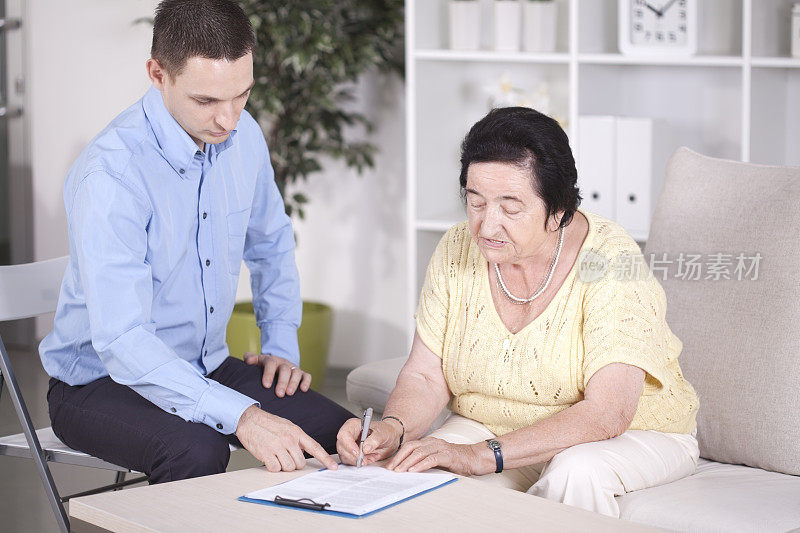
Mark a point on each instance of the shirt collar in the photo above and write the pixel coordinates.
(216, 149)
(178, 147)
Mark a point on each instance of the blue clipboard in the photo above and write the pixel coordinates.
(318, 507)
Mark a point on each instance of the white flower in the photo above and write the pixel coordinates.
(503, 93)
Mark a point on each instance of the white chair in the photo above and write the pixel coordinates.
(27, 291)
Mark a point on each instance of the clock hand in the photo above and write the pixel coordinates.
(667, 6)
(654, 10)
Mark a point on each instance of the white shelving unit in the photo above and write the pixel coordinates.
(737, 98)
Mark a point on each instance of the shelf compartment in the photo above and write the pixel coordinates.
(695, 61)
(719, 22)
(701, 108)
(775, 127)
(431, 25)
(426, 245)
(772, 20)
(776, 62)
(439, 224)
(450, 98)
(489, 56)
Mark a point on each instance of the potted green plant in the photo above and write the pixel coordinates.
(309, 57)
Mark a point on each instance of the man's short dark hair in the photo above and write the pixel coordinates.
(214, 29)
(532, 141)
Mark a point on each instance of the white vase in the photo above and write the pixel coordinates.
(507, 25)
(465, 24)
(540, 19)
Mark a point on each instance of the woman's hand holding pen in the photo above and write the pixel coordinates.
(382, 441)
(415, 455)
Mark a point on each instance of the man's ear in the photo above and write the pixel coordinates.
(157, 74)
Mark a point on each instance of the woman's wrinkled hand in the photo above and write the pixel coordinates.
(430, 452)
(382, 441)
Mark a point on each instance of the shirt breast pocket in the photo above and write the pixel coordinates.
(237, 231)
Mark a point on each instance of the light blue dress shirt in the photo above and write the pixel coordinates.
(157, 233)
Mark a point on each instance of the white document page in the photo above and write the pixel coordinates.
(352, 490)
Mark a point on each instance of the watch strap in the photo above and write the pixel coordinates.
(498, 455)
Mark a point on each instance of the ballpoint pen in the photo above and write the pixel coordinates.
(364, 433)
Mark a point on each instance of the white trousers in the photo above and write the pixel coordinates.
(590, 475)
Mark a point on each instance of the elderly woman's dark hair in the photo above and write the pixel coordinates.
(530, 140)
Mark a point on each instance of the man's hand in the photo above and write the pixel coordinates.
(430, 452)
(289, 375)
(381, 442)
(278, 443)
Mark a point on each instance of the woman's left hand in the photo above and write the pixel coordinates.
(430, 452)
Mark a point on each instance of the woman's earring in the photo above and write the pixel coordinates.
(556, 221)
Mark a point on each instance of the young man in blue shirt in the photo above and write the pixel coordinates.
(162, 207)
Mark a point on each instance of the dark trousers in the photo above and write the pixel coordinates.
(112, 422)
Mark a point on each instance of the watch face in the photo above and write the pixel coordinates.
(493, 444)
(658, 22)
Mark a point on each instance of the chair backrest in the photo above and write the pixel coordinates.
(26, 291)
(741, 339)
(31, 289)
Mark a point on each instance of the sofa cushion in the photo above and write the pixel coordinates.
(719, 497)
(741, 338)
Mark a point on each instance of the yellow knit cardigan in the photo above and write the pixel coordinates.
(508, 381)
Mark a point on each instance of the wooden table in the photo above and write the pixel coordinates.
(210, 504)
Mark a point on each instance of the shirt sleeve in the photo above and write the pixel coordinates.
(269, 255)
(434, 299)
(625, 322)
(107, 226)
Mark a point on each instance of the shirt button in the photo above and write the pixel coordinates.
(211, 309)
(173, 409)
(205, 215)
(208, 262)
(219, 426)
(182, 171)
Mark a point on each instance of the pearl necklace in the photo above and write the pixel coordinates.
(544, 286)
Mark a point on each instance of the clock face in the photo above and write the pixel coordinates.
(659, 23)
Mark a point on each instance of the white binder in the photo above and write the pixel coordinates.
(642, 153)
(621, 164)
(596, 164)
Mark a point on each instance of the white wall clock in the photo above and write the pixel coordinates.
(658, 27)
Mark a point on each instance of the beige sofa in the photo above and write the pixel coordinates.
(741, 344)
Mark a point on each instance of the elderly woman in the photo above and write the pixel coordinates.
(540, 325)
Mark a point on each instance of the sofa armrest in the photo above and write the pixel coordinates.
(370, 385)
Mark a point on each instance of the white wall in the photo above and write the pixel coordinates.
(85, 63)
(351, 247)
